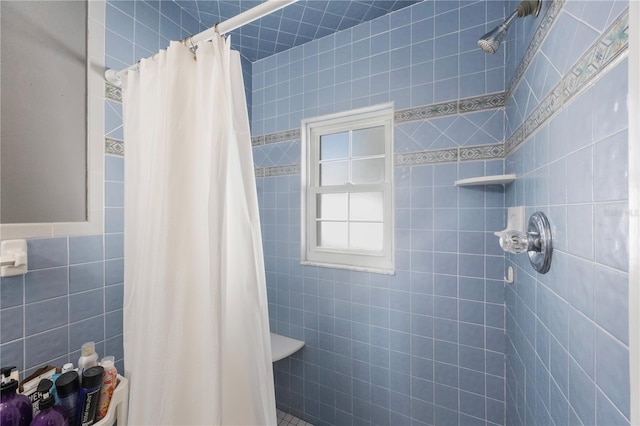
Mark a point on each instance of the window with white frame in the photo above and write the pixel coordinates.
(347, 190)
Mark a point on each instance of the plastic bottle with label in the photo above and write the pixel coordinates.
(10, 398)
(108, 385)
(89, 394)
(68, 386)
(88, 357)
(48, 415)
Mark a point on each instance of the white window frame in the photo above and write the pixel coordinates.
(312, 129)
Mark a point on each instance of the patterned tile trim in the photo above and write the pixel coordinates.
(482, 152)
(610, 47)
(467, 153)
(113, 146)
(515, 139)
(549, 106)
(112, 92)
(287, 135)
(477, 103)
(553, 11)
(427, 111)
(606, 50)
(291, 169)
(427, 157)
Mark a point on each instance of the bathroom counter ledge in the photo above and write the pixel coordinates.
(282, 346)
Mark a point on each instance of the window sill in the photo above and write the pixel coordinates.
(384, 271)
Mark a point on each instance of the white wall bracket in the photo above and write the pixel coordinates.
(13, 258)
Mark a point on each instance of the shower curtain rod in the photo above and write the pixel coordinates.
(250, 15)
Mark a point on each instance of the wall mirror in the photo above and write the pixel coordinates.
(52, 123)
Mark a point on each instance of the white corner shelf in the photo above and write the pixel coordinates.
(486, 180)
(283, 346)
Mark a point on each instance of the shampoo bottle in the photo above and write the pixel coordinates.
(88, 357)
(9, 396)
(48, 415)
(68, 387)
(9, 415)
(89, 394)
(65, 368)
(108, 385)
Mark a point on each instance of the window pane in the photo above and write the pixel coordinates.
(365, 206)
(365, 236)
(368, 141)
(332, 235)
(334, 146)
(332, 206)
(334, 173)
(367, 171)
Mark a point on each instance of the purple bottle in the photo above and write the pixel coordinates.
(9, 396)
(49, 414)
(9, 415)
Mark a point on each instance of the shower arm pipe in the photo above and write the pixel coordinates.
(250, 15)
(511, 17)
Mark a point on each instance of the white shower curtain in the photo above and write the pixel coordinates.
(196, 334)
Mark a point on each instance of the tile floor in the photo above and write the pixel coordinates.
(285, 419)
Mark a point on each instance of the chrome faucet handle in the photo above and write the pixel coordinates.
(536, 242)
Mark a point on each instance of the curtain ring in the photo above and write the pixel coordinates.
(188, 42)
(192, 46)
(224, 36)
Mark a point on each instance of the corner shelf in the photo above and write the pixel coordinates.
(486, 180)
(283, 346)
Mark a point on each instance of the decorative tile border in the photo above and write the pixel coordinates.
(553, 11)
(286, 135)
(427, 157)
(113, 146)
(451, 155)
(479, 103)
(290, 169)
(463, 153)
(549, 105)
(460, 106)
(611, 46)
(514, 140)
(482, 152)
(426, 111)
(112, 92)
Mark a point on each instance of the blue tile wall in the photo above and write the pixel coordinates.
(426, 345)
(73, 290)
(567, 331)
(414, 56)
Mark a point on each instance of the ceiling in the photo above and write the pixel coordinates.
(296, 24)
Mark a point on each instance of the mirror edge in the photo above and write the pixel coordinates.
(94, 224)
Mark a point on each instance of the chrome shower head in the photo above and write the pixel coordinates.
(490, 42)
